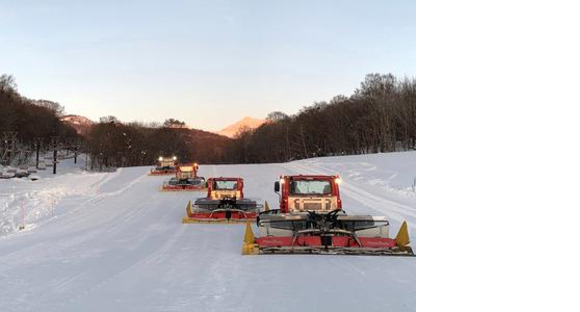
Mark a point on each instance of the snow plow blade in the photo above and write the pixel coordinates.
(181, 188)
(162, 172)
(349, 235)
(228, 215)
(191, 186)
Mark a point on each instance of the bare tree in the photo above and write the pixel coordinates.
(7, 83)
(109, 119)
(53, 106)
(276, 116)
(174, 123)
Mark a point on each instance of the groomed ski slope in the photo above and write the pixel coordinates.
(113, 242)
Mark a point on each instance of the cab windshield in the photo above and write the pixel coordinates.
(226, 185)
(302, 187)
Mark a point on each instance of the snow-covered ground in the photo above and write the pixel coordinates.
(112, 242)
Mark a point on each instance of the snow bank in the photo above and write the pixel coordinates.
(24, 202)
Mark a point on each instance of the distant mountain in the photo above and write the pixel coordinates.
(246, 123)
(83, 126)
(80, 123)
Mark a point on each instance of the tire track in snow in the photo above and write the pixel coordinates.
(153, 257)
(121, 225)
(101, 219)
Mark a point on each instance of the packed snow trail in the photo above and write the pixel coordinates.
(121, 246)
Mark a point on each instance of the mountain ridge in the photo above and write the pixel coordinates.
(245, 123)
(83, 125)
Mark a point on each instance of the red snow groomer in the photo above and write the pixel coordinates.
(311, 221)
(224, 203)
(165, 166)
(185, 179)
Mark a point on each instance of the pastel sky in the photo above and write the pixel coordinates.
(209, 63)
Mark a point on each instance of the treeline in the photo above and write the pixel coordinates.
(114, 144)
(378, 117)
(35, 121)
